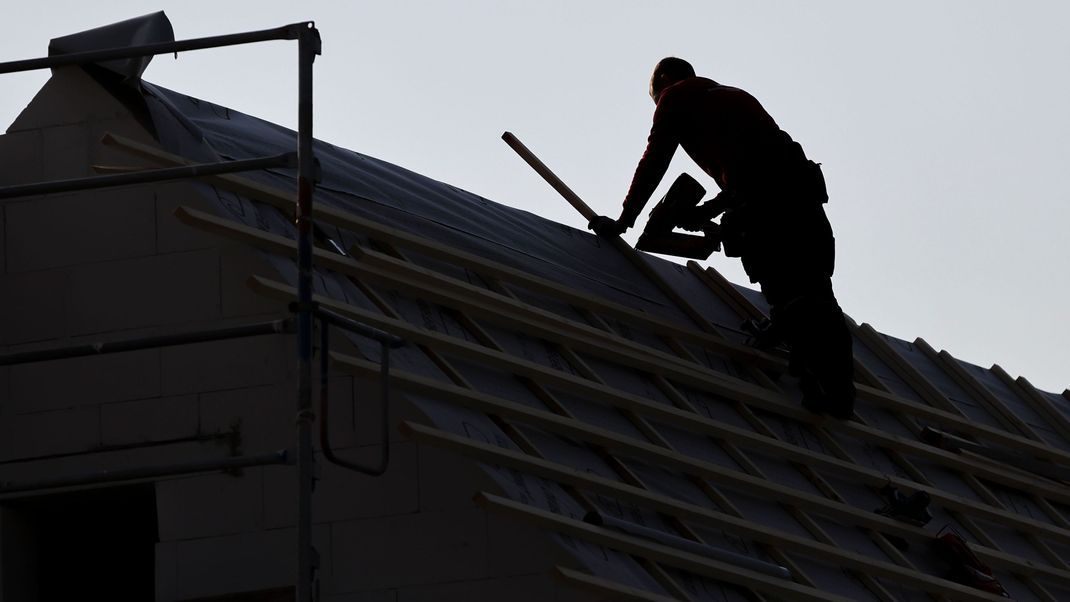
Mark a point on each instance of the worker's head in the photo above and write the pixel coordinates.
(669, 71)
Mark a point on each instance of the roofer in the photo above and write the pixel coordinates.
(772, 197)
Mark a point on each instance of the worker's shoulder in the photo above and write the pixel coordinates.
(701, 89)
(690, 86)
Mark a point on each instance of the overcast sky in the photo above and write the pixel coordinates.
(942, 126)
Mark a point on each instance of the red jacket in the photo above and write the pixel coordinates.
(724, 130)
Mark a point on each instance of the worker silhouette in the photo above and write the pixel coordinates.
(773, 220)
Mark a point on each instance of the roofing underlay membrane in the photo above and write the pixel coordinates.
(407, 201)
(814, 505)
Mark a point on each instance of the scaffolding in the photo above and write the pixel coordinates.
(306, 311)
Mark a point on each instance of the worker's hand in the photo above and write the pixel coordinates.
(606, 226)
(693, 219)
(697, 218)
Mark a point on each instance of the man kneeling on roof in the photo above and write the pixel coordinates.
(771, 197)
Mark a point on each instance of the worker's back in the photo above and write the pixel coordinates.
(728, 133)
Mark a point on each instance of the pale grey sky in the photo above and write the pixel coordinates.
(942, 126)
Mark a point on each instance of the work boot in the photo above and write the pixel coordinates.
(764, 335)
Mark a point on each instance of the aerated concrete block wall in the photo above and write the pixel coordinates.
(115, 263)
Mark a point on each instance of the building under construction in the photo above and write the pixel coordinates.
(240, 364)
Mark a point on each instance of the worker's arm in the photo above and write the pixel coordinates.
(660, 147)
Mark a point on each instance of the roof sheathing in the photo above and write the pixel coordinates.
(803, 483)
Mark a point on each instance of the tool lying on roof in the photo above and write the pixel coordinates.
(965, 567)
(951, 443)
(912, 509)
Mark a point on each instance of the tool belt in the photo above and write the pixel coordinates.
(758, 209)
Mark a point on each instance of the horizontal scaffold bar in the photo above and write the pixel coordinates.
(286, 32)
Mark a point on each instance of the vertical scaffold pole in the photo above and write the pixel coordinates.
(309, 47)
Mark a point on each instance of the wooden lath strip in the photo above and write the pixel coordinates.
(1045, 406)
(824, 553)
(657, 552)
(903, 369)
(626, 446)
(1025, 391)
(978, 391)
(726, 291)
(606, 587)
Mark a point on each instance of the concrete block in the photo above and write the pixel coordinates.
(83, 227)
(340, 403)
(366, 429)
(246, 562)
(146, 420)
(5, 390)
(342, 494)
(172, 234)
(237, 264)
(264, 415)
(66, 152)
(151, 291)
(381, 595)
(34, 307)
(166, 572)
(52, 105)
(22, 158)
(227, 364)
(524, 588)
(18, 556)
(55, 432)
(517, 548)
(210, 505)
(414, 549)
(235, 563)
(85, 381)
(448, 480)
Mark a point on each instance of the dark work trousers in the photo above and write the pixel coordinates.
(792, 254)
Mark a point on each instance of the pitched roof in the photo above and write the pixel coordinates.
(584, 379)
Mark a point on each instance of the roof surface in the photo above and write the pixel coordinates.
(581, 382)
